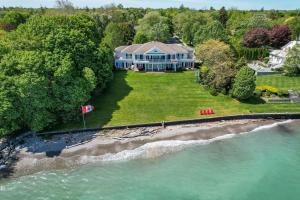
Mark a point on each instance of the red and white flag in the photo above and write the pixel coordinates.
(87, 108)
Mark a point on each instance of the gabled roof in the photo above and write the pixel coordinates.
(162, 47)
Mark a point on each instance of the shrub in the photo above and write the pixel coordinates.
(265, 88)
(280, 35)
(213, 91)
(257, 37)
(244, 84)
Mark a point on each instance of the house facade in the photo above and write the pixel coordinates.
(154, 56)
(277, 57)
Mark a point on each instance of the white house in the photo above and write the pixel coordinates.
(277, 57)
(154, 56)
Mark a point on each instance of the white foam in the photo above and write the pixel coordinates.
(269, 126)
(155, 149)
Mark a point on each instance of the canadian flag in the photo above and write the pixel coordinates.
(87, 108)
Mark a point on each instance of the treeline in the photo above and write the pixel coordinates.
(49, 67)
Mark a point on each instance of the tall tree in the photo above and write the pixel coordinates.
(186, 24)
(155, 27)
(213, 30)
(53, 65)
(117, 34)
(217, 57)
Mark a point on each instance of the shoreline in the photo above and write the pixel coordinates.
(37, 154)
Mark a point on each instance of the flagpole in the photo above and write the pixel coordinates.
(83, 120)
(83, 117)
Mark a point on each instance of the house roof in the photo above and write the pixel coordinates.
(163, 48)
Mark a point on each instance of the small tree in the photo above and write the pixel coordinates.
(294, 25)
(280, 35)
(244, 84)
(292, 64)
(256, 37)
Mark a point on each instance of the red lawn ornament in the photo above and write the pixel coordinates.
(207, 112)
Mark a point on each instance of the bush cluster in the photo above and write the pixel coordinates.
(277, 36)
(269, 91)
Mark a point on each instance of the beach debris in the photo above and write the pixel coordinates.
(133, 133)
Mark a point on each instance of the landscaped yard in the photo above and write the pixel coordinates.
(152, 97)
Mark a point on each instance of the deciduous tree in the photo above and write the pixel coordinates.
(280, 35)
(155, 27)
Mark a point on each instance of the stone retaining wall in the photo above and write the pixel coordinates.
(181, 122)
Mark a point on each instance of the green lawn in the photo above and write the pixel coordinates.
(152, 97)
(280, 81)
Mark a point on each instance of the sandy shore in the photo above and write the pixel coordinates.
(36, 154)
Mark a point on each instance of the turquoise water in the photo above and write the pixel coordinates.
(264, 164)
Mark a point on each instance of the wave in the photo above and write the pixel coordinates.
(156, 149)
(269, 126)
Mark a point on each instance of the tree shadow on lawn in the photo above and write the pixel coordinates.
(107, 102)
(253, 100)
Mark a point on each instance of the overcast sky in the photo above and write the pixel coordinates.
(241, 4)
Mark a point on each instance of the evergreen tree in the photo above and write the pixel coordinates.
(223, 16)
(244, 84)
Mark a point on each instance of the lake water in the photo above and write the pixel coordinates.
(264, 164)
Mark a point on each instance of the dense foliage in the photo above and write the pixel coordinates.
(257, 37)
(11, 20)
(217, 72)
(294, 25)
(280, 35)
(244, 84)
(155, 27)
(49, 68)
(292, 64)
(118, 34)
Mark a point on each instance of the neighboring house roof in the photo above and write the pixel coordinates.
(147, 47)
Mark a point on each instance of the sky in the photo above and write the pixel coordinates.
(198, 4)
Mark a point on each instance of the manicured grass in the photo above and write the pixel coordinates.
(280, 81)
(152, 97)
